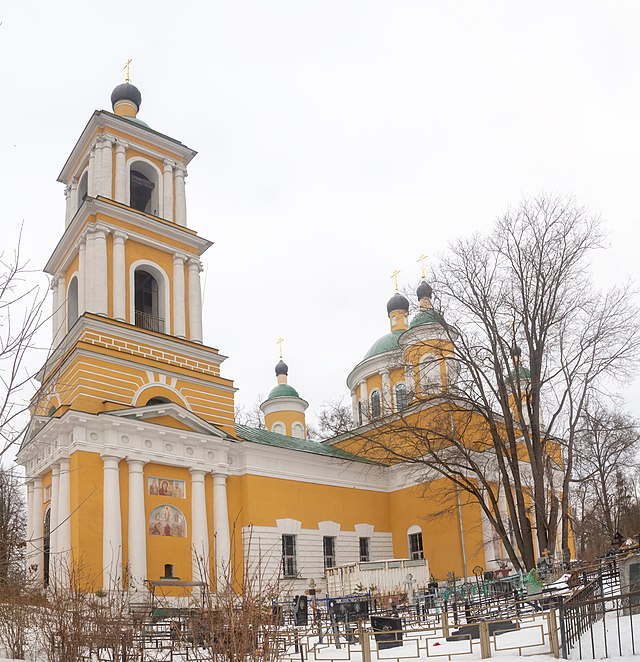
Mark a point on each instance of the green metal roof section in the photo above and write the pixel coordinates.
(283, 391)
(430, 316)
(387, 343)
(268, 438)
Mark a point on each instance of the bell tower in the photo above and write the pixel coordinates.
(130, 396)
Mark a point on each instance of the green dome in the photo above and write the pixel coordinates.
(523, 373)
(429, 316)
(283, 391)
(387, 343)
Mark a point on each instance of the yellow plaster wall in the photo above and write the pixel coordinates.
(288, 418)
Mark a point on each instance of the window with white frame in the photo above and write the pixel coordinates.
(279, 428)
(289, 564)
(430, 378)
(401, 396)
(297, 430)
(376, 409)
(329, 551)
(364, 549)
(416, 550)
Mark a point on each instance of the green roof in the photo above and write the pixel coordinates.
(523, 373)
(387, 343)
(429, 316)
(259, 436)
(283, 391)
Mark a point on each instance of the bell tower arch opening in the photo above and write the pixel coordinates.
(150, 300)
(83, 188)
(144, 187)
(72, 302)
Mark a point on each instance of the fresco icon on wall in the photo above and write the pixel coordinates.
(167, 521)
(166, 487)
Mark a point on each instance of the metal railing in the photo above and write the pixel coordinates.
(149, 322)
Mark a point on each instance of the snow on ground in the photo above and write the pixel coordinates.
(622, 638)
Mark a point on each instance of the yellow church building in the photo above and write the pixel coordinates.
(136, 469)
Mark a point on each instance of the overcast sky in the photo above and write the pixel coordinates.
(337, 142)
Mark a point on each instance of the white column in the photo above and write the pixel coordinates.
(82, 275)
(364, 400)
(354, 408)
(181, 196)
(112, 526)
(409, 378)
(179, 320)
(29, 532)
(221, 529)
(53, 520)
(387, 403)
(97, 168)
(101, 304)
(64, 521)
(37, 528)
(62, 306)
(199, 529)
(91, 174)
(119, 276)
(107, 167)
(121, 172)
(137, 526)
(55, 317)
(67, 205)
(167, 187)
(89, 279)
(195, 301)
(73, 199)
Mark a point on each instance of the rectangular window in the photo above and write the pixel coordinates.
(289, 565)
(329, 549)
(415, 546)
(364, 549)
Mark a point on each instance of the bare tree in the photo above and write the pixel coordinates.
(606, 458)
(334, 418)
(21, 316)
(12, 527)
(251, 415)
(532, 338)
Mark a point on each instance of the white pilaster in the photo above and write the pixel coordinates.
(67, 205)
(199, 530)
(62, 307)
(354, 407)
(121, 172)
(73, 199)
(53, 520)
(101, 305)
(180, 196)
(137, 526)
(37, 529)
(387, 404)
(91, 173)
(119, 276)
(97, 168)
(89, 279)
(112, 526)
(167, 188)
(221, 529)
(179, 319)
(64, 521)
(195, 301)
(364, 401)
(55, 316)
(107, 167)
(82, 276)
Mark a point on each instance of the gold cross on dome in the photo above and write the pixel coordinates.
(279, 342)
(421, 259)
(127, 76)
(394, 275)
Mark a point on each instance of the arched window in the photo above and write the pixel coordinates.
(278, 428)
(147, 302)
(47, 544)
(401, 396)
(430, 378)
(376, 409)
(83, 189)
(297, 430)
(72, 303)
(157, 401)
(414, 535)
(143, 188)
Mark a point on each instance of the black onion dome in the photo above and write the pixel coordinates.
(397, 302)
(126, 92)
(282, 368)
(424, 290)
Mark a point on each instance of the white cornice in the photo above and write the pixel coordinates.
(64, 252)
(284, 403)
(132, 333)
(103, 118)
